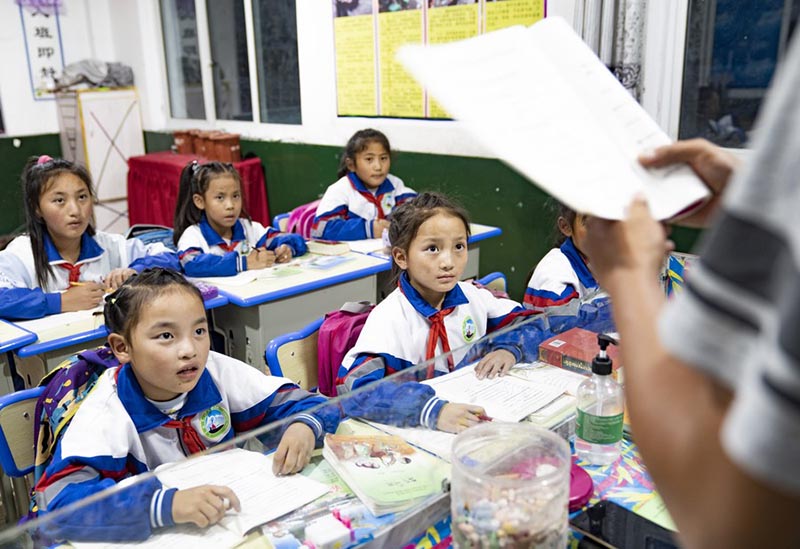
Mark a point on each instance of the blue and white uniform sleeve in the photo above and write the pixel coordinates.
(19, 296)
(143, 256)
(335, 221)
(402, 403)
(272, 238)
(130, 514)
(500, 314)
(196, 263)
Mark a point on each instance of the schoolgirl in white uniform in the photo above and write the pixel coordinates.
(63, 264)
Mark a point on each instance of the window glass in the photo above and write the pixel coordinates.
(231, 69)
(732, 49)
(275, 23)
(179, 29)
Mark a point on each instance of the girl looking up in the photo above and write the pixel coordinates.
(63, 264)
(563, 274)
(213, 233)
(358, 205)
(430, 313)
(170, 398)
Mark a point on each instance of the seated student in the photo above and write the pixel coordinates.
(213, 233)
(428, 314)
(358, 205)
(562, 275)
(157, 408)
(62, 263)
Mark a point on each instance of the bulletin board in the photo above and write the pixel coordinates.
(367, 34)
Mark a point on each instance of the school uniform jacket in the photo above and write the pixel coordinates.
(117, 433)
(560, 277)
(203, 252)
(20, 294)
(395, 337)
(348, 207)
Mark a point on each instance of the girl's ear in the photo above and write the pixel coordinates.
(199, 201)
(350, 164)
(564, 226)
(399, 256)
(119, 346)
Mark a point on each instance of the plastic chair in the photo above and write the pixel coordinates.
(152, 233)
(294, 355)
(17, 449)
(281, 222)
(495, 282)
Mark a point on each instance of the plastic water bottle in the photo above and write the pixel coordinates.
(601, 406)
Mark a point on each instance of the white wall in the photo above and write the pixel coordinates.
(129, 31)
(85, 32)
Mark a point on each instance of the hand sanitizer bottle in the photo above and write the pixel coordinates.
(598, 428)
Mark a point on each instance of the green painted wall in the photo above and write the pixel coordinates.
(12, 160)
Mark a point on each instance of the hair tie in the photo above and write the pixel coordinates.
(43, 159)
(195, 166)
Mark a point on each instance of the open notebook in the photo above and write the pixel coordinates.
(263, 496)
(543, 102)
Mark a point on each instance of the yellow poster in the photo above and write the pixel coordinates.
(399, 92)
(500, 14)
(356, 91)
(448, 23)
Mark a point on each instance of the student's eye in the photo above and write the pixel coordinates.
(461, 246)
(385, 157)
(201, 331)
(58, 201)
(432, 248)
(220, 198)
(237, 196)
(164, 335)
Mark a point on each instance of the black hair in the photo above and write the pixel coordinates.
(124, 307)
(36, 179)
(558, 209)
(195, 179)
(357, 143)
(407, 218)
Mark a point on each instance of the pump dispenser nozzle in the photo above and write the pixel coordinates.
(602, 364)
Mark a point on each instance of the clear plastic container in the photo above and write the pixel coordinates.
(510, 487)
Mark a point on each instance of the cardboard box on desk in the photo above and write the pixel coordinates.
(575, 349)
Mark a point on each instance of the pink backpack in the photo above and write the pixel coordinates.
(302, 218)
(337, 335)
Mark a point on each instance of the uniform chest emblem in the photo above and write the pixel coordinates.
(387, 202)
(215, 422)
(468, 329)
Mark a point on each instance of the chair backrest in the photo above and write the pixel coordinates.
(294, 355)
(302, 218)
(281, 222)
(494, 282)
(150, 234)
(17, 445)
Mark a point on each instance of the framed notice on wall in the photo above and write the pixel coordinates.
(370, 82)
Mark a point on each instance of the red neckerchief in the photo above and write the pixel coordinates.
(229, 247)
(74, 271)
(191, 440)
(437, 333)
(370, 198)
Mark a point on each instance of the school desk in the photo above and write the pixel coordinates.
(57, 337)
(11, 337)
(270, 302)
(153, 187)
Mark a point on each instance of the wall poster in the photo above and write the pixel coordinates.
(367, 33)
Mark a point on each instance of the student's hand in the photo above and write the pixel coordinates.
(203, 505)
(454, 418)
(260, 259)
(711, 163)
(378, 225)
(82, 296)
(115, 278)
(283, 253)
(497, 362)
(636, 245)
(294, 450)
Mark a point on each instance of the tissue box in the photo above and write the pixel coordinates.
(574, 350)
